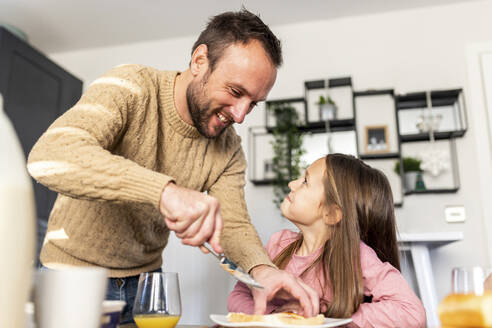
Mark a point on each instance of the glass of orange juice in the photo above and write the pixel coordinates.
(470, 280)
(158, 301)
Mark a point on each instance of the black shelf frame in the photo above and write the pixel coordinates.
(325, 84)
(266, 182)
(432, 191)
(437, 136)
(253, 132)
(455, 172)
(383, 156)
(416, 100)
(335, 126)
(374, 92)
(380, 156)
(270, 103)
(439, 98)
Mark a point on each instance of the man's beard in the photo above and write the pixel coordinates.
(199, 107)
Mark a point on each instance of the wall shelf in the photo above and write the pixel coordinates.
(380, 156)
(335, 126)
(447, 115)
(337, 89)
(432, 191)
(397, 115)
(437, 135)
(262, 182)
(375, 111)
(298, 103)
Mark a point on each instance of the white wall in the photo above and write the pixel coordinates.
(479, 64)
(412, 50)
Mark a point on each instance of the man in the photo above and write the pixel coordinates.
(132, 159)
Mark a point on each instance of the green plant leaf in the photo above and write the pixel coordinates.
(410, 164)
(287, 149)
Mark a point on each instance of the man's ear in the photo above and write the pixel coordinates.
(333, 215)
(199, 60)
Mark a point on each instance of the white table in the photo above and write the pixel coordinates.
(419, 244)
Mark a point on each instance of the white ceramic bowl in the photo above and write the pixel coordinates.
(111, 313)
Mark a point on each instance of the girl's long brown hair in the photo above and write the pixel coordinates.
(364, 197)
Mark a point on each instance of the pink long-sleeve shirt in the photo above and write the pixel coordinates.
(394, 304)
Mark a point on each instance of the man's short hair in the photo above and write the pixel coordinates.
(243, 26)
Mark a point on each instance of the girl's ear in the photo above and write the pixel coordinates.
(333, 215)
(199, 60)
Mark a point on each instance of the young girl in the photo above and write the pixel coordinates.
(346, 248)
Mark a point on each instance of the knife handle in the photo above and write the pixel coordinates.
(226, 261)
(222, 259)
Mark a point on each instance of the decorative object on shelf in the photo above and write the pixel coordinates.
(287, 149)
(434, 160)
(376, 139)
(412, 173)
(428, 121)
(268, 173)
(327, 108)
(419, 184)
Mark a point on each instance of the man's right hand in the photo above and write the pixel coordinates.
(192, 215)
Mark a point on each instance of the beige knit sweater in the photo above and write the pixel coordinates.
(109, 158)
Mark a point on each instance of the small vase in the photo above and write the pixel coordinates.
(419, 184)
(327, 112)
(410, 180)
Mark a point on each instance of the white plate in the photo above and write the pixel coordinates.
(222, 321)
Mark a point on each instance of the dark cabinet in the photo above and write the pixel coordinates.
(36, 91)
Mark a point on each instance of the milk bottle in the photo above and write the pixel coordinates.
(17, 227)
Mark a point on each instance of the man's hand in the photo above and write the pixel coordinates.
(281, 284)
(192, 215)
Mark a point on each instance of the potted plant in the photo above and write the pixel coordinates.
(412, 173)
(287, 149)
(327, 108)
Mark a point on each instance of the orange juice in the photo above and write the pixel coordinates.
(156, 321)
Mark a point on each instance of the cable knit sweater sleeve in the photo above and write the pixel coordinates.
(394, 304)
(73, 156)
(229, 189)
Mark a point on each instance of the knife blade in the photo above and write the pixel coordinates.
(233, 269)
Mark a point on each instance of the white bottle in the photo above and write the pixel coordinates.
(17, 227)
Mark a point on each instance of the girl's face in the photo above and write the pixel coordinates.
(305, 202)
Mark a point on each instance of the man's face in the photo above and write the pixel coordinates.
(242, 77)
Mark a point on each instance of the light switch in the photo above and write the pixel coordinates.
(455, 214)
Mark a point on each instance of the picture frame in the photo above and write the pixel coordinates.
(377, 139)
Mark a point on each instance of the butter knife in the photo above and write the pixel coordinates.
(233, 269)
